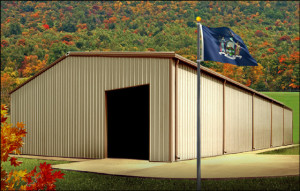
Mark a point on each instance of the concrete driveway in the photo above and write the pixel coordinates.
(248, 164)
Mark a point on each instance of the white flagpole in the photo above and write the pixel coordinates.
(199, 29)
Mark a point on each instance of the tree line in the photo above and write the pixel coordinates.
(36, 33)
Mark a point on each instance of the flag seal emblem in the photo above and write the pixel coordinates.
(229, 48)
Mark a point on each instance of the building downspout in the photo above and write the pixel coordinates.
(171, 116)
(253, 121)
(271, 143)
(176, 111)
(283, 126)
(224, 87)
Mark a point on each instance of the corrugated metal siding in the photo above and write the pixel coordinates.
(238, 120)
(211, 110)
(187, 105)
(262, 123)
(64, 108)
(288, 127)
(277, 125)
(211, 116)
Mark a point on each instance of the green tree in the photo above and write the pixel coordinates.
(15, 28)
(23, 20)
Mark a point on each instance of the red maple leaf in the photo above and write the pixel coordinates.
(58, 174)
(29, 176)
(44, 179)
(13, 161)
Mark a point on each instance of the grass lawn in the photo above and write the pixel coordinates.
(287, 151)
(8, 119)
(90, 181)
(290, 99)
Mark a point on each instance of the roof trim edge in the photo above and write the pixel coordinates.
(169, 55)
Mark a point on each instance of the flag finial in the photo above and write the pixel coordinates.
(198, 19)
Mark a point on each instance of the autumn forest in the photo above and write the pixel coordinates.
(35, 33)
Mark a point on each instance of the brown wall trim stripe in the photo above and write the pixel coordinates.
(105, 128)
(224, 84)
(170, 109)
(149, 123)
(292, 128)
(253, 121)
(271, 124)
(151, 55)
(176, 109)
(125, 54)
(283, 127)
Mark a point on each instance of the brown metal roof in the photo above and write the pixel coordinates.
(169, 55)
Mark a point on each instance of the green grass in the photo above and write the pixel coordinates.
(29, 164)
(8, 119)
(290, 99)
(287, 151)
(89, 181)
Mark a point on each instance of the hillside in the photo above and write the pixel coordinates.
(34, 34)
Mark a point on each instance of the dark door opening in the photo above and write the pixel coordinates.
(128, 123)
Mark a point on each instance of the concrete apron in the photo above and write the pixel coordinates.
(248, 164)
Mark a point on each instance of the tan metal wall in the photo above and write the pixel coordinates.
(187, 91)
(262, 123)
(211, 110)
(277, 125)
(238, 120)
(288, 127)
(211, 116)
(64, 108)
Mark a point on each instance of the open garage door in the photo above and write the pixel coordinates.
(128, 123)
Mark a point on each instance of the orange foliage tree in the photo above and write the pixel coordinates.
(11, 142)
(8, 82)
(32, 65)
(234, 72)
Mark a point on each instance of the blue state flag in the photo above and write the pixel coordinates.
(223, 45)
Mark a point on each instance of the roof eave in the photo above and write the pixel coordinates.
(170, 55)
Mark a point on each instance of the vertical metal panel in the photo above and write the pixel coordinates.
(176, 110)
(64, 108)
(288, 127)
(262, 123)
(238, 120)
(212, 116)
(173, 157)
(172, 110)
(186, 112)
(277, 125)
(211, 110)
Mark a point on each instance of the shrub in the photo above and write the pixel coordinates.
(285, 38)
(259, 33)
(67, 38)
(4, 43)
(11, 142)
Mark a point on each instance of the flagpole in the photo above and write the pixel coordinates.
(199, 28)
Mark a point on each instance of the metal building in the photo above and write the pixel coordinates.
(142, 105)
